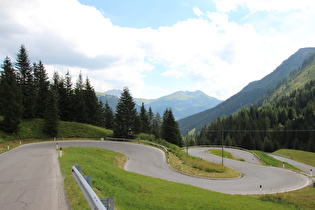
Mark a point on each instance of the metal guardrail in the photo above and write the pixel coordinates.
(138, 141)
(89, 194)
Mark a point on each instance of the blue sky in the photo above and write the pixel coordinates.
(158, 47)
(144, 13)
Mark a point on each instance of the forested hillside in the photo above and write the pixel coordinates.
(249, 95)
(286, 119)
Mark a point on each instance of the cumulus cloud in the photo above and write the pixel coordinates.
(197, 11)
(212, 52)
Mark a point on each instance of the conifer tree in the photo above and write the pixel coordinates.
(151, 118)
(10, 98)
(41, 84)
(91, 104)
(144, 120)
(79, 103)
(125, 116)
(51, 116)
(26, 78)
(109, 116)
(170, 130)
(156, 126)
(68, 113)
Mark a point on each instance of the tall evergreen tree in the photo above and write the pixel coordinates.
(109, 116)
(125, 116)
(151, 118)
(156, 126)
(51, 116)
(26, 78)
(10, 98)
(170, 130)
(68, 112)
(144, 120)
(91, 104)
(79, 102)
(41, 84)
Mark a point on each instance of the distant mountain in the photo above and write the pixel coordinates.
(182, 103)
(114, 92)
(111, 99)
(249, 94)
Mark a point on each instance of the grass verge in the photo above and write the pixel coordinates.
(134, 191)
(198, 167)
(270, 161)
(218, 152)
(298, 155)
(299, 199)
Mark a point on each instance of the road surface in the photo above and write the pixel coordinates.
(30, 176)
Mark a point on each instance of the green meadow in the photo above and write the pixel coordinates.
(134, 191)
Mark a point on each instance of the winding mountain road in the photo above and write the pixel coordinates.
(30, 176)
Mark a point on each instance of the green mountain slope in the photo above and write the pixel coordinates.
(248, 95)
(297, 79)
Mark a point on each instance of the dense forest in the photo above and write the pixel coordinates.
(287, 123)
(26, 93)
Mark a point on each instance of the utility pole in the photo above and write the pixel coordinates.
(222, 141)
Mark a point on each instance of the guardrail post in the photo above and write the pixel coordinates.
(79, 168)
(88, 179)
(108, 202)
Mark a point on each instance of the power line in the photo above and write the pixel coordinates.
(260, 131)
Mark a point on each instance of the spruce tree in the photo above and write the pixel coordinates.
(151, 118)
(10, 98)
(68, 112)
(109, 116)
(26, 78)
(51, 116)
(80, 112)
(91, 104)
(144, 120)
(125, 116)
(41, 84)
(156, 126)
(170, 130)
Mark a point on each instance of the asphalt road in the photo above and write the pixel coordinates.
(30, 176)
(238, 154)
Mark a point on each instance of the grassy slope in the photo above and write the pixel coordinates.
(218, 152)
(299, 80)
(270, 161)
(33, 129)
(134, 191)
(298, 155)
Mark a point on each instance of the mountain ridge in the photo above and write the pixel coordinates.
(248, 95)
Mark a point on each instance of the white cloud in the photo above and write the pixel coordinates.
(172, 73)
(212, 52)
(197, 11)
